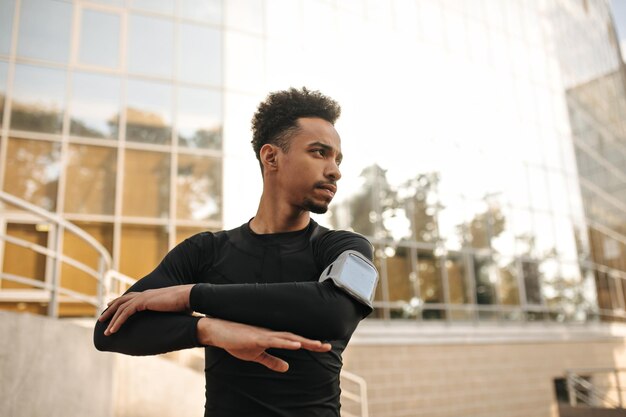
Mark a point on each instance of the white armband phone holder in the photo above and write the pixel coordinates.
(354, 274)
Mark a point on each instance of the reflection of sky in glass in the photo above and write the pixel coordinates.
(3, 87)
(150, 45)
(246, 15)
(95, 102)
(159, 6)
(203, 10)
(100, 39)
(6, 25)
(151, 97)
(200, 54)
(42, 88)
(45, 27)
(198, 110)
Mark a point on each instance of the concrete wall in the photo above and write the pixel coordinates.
(448, 371)
(50, 368)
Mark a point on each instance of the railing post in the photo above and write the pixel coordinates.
(101, 290)
(53, 304)
(571, 391)
(618, 387)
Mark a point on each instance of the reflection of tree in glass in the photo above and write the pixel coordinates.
(36, 117)
(79, 128)
(33, 171)
(202, 138)
(199, 188)
(142, 126)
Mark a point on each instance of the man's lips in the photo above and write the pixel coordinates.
(330, 189)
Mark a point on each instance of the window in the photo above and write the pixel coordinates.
(199, 188)
(150, 46)
(200, 55)
(95, 106)
(6, 25)
(199, 118)
(204, 10)
(149, 112)
(32, 171)
(45, 27)
(146, 184)
(151, 241)
(38, 99)
(90, 180)
(100, 39)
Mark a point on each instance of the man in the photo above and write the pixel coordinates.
(267, 308)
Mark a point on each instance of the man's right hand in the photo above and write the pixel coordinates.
(249, 343)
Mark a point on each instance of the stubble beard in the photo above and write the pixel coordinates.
(314, 207)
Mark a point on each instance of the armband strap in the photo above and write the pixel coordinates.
(354, 274)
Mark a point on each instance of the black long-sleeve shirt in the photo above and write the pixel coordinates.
(263, 280)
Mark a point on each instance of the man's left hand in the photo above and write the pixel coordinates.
(172, 299)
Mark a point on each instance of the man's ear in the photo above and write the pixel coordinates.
(269, 156)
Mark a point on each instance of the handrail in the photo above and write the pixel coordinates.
(592, 394)
(53, 285)
(62, 222)
(360, 398)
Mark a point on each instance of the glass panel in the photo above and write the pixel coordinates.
(401, 282)
(530, 269)
(149, 112)
(486, 280)
(38, 99)
(100, 39)
(205, 10)
(199, 188)
(246, 15)
(153, 243)
(95, 106)
(159, 6)
(602, 287)
(199, 118)
(244, 52)
(431, 289)
(146, 184)
(150, 46)
(459, 288)
(90, 180)
(380, 312)
(32, 171)
(205, 67)
(21, 261)
(7, 8)
(76, 279)
(45, 28)
(4, 67)
(509, 288)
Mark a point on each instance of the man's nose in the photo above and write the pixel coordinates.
(333, 171)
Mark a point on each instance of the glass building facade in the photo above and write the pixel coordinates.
(484, 140)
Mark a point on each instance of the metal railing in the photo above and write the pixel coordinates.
(353, 399)
(51, 290)
(595, 387)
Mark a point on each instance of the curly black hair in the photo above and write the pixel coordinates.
(276, 118)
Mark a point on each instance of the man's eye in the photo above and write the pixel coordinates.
(319, 151)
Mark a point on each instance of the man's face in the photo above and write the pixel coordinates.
(309, 170)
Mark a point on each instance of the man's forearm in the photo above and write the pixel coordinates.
(149, 333)
(311, 309)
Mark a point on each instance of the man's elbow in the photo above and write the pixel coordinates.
(100, 341)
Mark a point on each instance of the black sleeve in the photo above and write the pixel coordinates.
(312, 309)
(151, 332)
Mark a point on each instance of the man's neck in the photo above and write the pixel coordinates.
(272, 219)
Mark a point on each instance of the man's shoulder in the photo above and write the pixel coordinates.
(332, 242)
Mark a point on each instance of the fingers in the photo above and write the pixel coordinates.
(308, 344)
(272, 362)
(122, 308)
